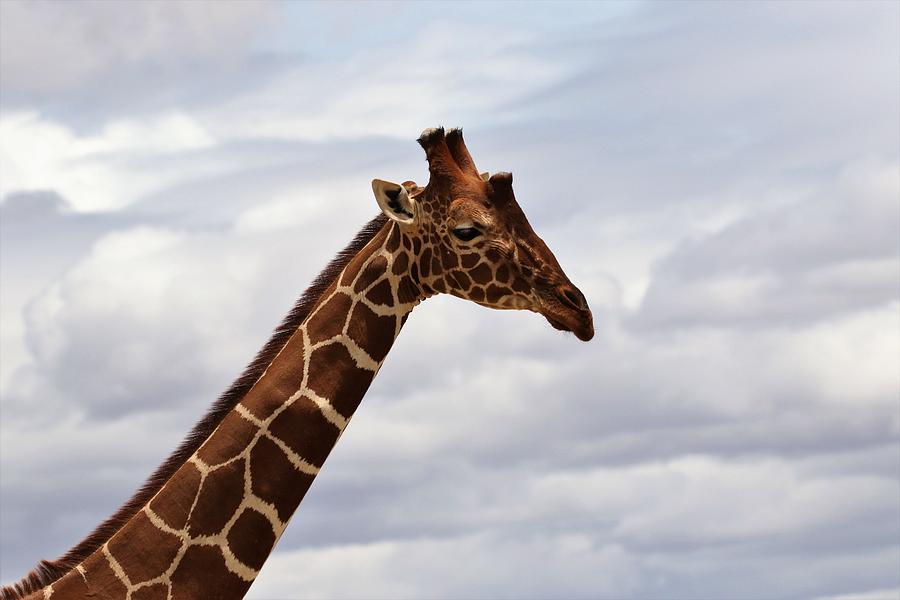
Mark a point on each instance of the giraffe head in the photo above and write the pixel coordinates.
(469, 237)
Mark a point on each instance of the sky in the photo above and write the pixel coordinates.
(721, 180)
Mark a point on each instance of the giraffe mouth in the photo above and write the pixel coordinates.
(580, 323)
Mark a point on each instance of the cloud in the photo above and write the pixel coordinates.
(722, 194)
(554, 534)
(401, 91)
(102, 171)
(441, 568)
(98, 43)
(29, 263)
(25, 206)
(833, 251)
(144, 294)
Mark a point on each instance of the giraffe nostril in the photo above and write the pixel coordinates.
(571, 297)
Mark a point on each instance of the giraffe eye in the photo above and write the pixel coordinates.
(466, 233)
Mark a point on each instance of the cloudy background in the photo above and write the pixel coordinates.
(720, 179)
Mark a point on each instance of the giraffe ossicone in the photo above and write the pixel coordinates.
(204, 523)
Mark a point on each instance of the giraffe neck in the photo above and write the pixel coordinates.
(209, 529)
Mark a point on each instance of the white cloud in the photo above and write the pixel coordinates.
(423, 78)
(851, 361)
(529, 567)
(100, 171)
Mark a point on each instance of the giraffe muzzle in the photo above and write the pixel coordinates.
(568, 311)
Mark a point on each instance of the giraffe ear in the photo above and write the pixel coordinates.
(394, 201)
(485, 176)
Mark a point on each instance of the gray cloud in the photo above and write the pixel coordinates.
(28, 206)
(144, 56)
(833, 251)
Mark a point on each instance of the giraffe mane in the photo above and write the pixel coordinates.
(46, 572)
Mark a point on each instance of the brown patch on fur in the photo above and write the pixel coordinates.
(251, 538)
(425, 261)
(269, 394)
(450, 259)
(401, 264)
(345, 391)
(470, 260)
(72, 585)
(157, 591)
(435, 266)
(481, 273)
(372, 273)
(229, 439)
(282, 485)
(407, 291)
(393, 241)
(137, 564)
(462, 280)
(323, 325)
(47, 572)
(502, 274)
(217, 581)
(303, 428)
(372, 332)
(103, 582)
(520, 285)
(217, 500)
(174, 503)
(381, 294)
(494, 293)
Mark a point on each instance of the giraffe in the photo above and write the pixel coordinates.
(205, 522)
